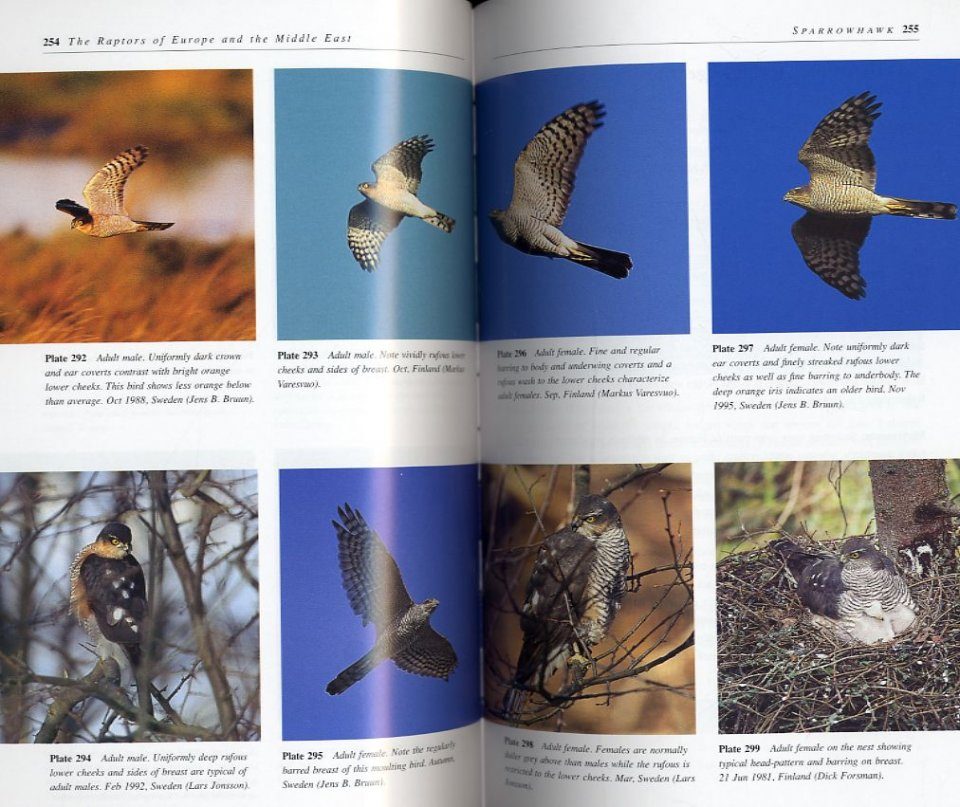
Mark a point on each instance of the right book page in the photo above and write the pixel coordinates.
(718, 294)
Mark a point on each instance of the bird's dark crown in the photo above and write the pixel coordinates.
(595, 514)
(116, 534)
(861, 549)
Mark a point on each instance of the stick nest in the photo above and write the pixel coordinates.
(780, 673)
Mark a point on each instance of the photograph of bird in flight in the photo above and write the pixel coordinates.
(543, 181)
(377, 594)
(105, 214)
(840, 197)
(390, 199)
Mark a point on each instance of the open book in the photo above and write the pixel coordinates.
(408, 403)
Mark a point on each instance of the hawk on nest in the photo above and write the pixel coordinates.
(105, 214)
(858, 596)
(573, 595)
(108, 596)
(377, 594)
(543, 179)
(840, 195)
(392, 197)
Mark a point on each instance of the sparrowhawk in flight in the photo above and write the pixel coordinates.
(376, 592)
(543, 179)
(392, 197)
(857, 596)
(105, 214)
(573, 595)
(840, 195)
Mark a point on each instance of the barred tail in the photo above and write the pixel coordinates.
(154, 225)
(354, 672)
(513, 704)
(921, 210)
(441, 221)
(612, 264)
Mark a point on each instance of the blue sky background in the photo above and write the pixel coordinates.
(630, 196)
(760, 116)
(427, 517)
(331, 126)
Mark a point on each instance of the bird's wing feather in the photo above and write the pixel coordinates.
(117, 595)
(830, 246)
(837, 152)
(401, 166)
(545, 172)
(429, 654)
(104, 192)
(368, 225)
(369, 573)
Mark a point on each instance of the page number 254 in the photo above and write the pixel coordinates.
(51, 41)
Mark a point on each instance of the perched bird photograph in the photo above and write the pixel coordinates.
(543, 181)
(155, 170)
(861, 151)
(582, 200)
(588, 586)
(129, 607)
(837, 595)
(378, 599)
(105, 214)
(840, 196)
(390, 199)
(381, 255)
(376, 592)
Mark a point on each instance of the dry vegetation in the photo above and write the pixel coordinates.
(777, 672)
(642, 681)
(78, 289)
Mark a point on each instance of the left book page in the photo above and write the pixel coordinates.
(238, 473)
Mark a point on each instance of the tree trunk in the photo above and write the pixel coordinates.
(908, 499)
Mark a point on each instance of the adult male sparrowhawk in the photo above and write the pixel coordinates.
(377, 594)
(573, 595)
(108, 596)
(105, 214)
(392, 197)
(840, 195)
(543, 179)
(858, 596)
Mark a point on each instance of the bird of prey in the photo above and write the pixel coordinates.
(858, 596)
(108, 596)
(543, 179)
(377, 594)
(388, 200)
(573, 595)
(840, 195)
(105, 214)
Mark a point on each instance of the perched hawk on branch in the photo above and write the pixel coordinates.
(858, 596)
(108, 596)
(840, 195)
(105, 214)
(392, 197)
(573, 595)
(543, 179)
(377, 594)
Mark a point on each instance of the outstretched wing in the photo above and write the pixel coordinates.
(837, 152)
(369, 573)
(368, 225)
(117, 595)
(830, 246)
(545, 171)
(429, 654)
(104, 192)
(401, 166)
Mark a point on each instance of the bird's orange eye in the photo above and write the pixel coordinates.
(115, 541)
